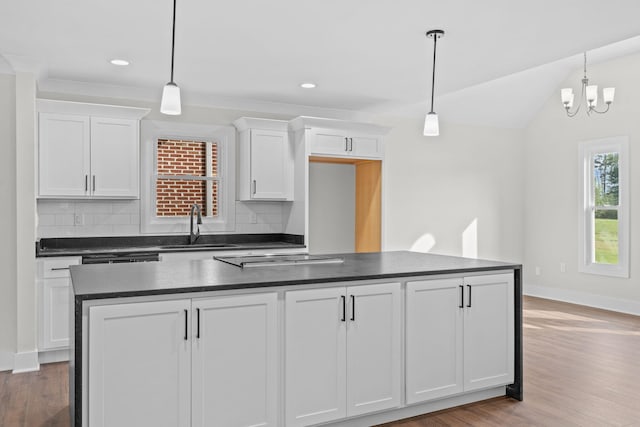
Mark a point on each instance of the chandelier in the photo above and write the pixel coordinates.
(588, 94)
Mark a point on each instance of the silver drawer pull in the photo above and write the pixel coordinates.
(59, 268)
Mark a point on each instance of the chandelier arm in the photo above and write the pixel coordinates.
(603, 111)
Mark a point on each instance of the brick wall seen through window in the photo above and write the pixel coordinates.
(187, 173)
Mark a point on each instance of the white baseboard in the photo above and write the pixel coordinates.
(26, 362)
(53, 356)
(6, 361)
(583, 298)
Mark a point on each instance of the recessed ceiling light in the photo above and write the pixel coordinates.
(120, 62)
(308, 85)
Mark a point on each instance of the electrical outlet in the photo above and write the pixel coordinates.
(78, 219)
(254, 218)
(537, 270)
(563, 267)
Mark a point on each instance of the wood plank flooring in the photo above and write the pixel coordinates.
(581, 368)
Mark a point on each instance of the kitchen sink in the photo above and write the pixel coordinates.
(200, 245)
(278, 260)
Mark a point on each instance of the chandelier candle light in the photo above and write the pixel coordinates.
(171, 93)
(431, 126)
(589, 93)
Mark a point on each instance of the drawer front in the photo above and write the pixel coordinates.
(56, 267)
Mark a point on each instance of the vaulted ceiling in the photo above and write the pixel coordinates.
(364, 55)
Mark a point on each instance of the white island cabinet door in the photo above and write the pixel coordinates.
(373, 348)
(114, 157)
(235, 361)
(63, 155)
(488, 331)
(315, 354)
(434, 339)
(139, 365)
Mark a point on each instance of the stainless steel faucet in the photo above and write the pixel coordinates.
(195, 208)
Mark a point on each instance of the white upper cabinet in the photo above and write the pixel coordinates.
(337, 138)
(265, 156)
(88, 150)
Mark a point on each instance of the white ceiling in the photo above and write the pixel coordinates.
(365, 55)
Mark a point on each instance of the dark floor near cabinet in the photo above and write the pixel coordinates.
(580, 369)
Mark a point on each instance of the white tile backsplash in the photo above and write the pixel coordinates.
(56, 218)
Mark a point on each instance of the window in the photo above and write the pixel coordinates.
(186, 164)
(604, 207)
(186, 174)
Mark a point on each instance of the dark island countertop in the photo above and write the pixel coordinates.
(82, 246)
(157, 278)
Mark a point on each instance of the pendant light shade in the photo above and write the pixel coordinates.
(171, 100)
(170, 103)
(431, 125)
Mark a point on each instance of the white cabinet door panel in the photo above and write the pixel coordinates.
(434, 339)
(315, 354)
(270, 164)
(114, 157)
(489, 331)
(329, 143)
(366, 146)
(139, 365)
(235, 361)
(373, 348)
(63, 155)
(55, 322)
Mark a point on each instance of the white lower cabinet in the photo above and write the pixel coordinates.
(342, 352)
(200, 362)
(235, 361)
(54, 282)
(459, 335)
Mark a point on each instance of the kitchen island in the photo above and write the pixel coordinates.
(377, 337)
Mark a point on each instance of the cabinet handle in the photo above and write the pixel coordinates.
(353, 307)
(469, 303)
(59, 268)
(198, 323)
(86, 183)
(344, 308)
(350, 144)
(461, 297)
(346, 144)
(94, 183)
(186, 326)
(255, 186)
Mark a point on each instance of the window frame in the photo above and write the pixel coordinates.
(224, 136)
(586, 219)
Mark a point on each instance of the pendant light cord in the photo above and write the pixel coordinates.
(433, 74)
(173, 38)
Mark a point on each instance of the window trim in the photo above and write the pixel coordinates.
(151, 131)
(587, 149)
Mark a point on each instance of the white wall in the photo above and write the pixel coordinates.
(332, 208)
(551, 204)
(7, 221)
(456, 194)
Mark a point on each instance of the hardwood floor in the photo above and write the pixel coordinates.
(581, 368)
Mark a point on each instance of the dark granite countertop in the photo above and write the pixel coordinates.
(157, 278)
(79, 246)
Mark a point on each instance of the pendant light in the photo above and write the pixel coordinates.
(588, 94)
(431, 126)
(171, 93)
